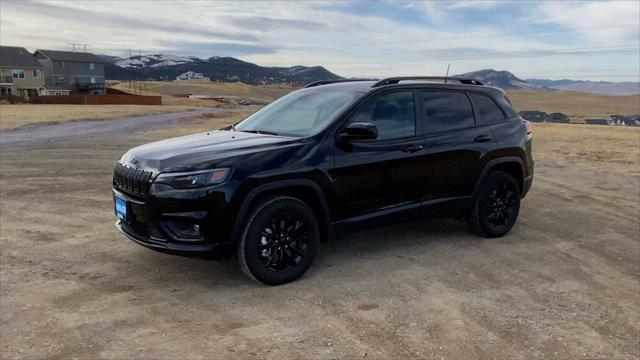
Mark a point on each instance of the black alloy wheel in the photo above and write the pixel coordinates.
(496, 206)
(280, 240)
(283, 243)
(501, 206)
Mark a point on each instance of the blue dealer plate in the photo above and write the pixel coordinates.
(121, 208)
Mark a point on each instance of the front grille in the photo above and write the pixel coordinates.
(131, 181)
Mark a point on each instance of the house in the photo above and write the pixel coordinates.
(20, 73)
(596, 121)
(557, 117)
(534, 116)
(69, 71)
(632, 120)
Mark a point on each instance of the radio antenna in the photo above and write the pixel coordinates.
(447, 74)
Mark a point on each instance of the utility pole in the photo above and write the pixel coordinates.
(140, 79)
(84, 46)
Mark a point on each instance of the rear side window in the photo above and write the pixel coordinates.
(489, 112)
(392, 113)
(447, 111)
(507, 106)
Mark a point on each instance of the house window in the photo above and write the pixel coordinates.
(18, 73)
(92, 66)
(36, 73)
(93, 80)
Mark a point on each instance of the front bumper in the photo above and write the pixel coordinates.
(179, 249)
(148, 224)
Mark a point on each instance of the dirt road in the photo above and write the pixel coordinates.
(38, 134)
(564, 284)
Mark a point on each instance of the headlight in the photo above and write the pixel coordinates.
(194, 179)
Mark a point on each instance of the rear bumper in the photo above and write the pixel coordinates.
(526, 186)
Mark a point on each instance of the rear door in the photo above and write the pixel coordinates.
(454, 146)
(376, 176)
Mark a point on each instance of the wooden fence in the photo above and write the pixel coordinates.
(12, 99)
(109, 99)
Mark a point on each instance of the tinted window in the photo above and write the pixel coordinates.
(392, 113)
(302, 112)
(447, 110)
(489, 112)
(506, 105)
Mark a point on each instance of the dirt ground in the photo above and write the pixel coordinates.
(564, 284)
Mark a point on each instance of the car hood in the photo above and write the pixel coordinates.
(201, 151)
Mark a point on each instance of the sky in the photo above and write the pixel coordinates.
(588, 40)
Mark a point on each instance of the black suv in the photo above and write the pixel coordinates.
(323, 160)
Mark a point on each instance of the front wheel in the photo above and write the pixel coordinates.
(279, 242)
(496, 206)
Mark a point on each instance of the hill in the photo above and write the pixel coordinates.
(594, 87)
(501, 79)
(222, 69)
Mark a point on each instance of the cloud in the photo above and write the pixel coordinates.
(598, 21)
(135, 23)
(354, 38)
(477, 4)
(208, 49)
(267, 23)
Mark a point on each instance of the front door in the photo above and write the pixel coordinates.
(374, 177)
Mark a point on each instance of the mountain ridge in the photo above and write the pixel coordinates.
(216, 68)
(229, 69)
(589, 86)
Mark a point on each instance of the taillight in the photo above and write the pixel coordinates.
(528, 127)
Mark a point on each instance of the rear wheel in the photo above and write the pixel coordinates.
(279, 242)
(496, 206)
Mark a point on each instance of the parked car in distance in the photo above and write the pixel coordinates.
(325, 160)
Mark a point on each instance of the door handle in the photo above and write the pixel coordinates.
(413, 148)
(482, 138)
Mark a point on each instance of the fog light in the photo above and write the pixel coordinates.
(183, 231)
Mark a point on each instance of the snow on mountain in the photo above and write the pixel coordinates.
(154, 60)
(190, 75)
(216, 68)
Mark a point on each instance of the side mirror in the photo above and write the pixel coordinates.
(359, 131)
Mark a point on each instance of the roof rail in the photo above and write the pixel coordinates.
(325, 82)
(395, 80)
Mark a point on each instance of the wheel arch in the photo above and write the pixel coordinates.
(512, 165)
(305, 190)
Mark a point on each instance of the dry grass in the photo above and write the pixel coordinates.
(593, 146)
(577, 105)
(13, 116)
(201, 123)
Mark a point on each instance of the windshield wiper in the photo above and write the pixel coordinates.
(265, 132)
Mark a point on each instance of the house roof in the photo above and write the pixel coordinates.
(70, 56)
(17, 56)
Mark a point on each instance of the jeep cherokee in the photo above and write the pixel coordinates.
(324, 160)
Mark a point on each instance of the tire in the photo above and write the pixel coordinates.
(496, 206)
(279, 241)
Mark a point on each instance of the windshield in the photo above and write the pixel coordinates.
(300, 113)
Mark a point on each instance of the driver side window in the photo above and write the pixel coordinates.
(392, 113)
